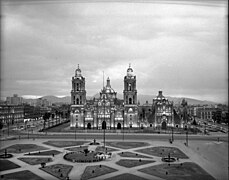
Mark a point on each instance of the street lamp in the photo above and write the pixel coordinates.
(75, 131)
(172, 134)
(123, 127)
(187, 137)
(103, 124)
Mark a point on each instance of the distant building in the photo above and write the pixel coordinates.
(40, 102)
(205, 112)
(15, 100)
(11, 114)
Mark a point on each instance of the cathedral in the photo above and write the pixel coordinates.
(109, 112)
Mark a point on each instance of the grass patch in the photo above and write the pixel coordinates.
(79, 148)
(132, 155)
(127, 145)
(44, 153)
(65, 143)
(187, 170)
(35, 161)
(7, 165)
(81, 157)
(163, 151)
(60, 171)
(95, 171)
(22, 148)
(126, 176)
(129, 163)
(108, 149)
(22, 175)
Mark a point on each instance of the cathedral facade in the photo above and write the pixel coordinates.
(109, 112)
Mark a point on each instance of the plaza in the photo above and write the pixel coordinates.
(129, 159)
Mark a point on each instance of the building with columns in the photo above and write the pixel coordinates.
(109, 112)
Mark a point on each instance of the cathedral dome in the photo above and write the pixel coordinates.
(108, 88)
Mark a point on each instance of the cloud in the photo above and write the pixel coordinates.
(179, 48)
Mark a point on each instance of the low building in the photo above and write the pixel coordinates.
(11, 114)
(15, 100)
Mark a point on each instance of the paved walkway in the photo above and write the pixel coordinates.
(194, 150)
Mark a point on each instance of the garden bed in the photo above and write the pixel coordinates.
(101, 149)
(60, 171)
(187, 171)
(126, 176)
(127, 145)
(129, 163)
(65, 143)
(21, 175)
(132, 155)
(35, 161)
(22, 148)
(7, 165)
(163, 151)
(44, 153)
(95, 171)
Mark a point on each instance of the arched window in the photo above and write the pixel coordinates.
(77, 87)
(80, 99)
(77, 101)
(129, 87)
(130, 100)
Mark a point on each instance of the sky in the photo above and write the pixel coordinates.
(179, 47)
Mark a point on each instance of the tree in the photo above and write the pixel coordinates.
(46, 117)
(1, 124)
(194, 122)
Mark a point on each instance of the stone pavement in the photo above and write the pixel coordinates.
(78, 168)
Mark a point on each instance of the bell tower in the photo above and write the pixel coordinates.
(78, 99)
(130, 99)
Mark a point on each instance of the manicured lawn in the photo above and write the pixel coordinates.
(65, 143)
(108, 149)
(6, 165)
(60, 171)
(81, 157)
(22, 148)
(126, 176)
(77, 148)
(127, 145)
(132, 155)
(22, 175)
(95, 171)
(187, 171)
(129, 163)
(44, 153)
(163, 151)
(35, 161)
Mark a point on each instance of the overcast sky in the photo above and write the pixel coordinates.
(178, 47)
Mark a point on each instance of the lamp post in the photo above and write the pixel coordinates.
(172, 134)
(123, 127)
(8, 121)
(187, 137)
(75, 131)
(103, 124)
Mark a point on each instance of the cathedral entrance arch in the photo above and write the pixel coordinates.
(119, 126)
(163, 125)
(88, 125)
(104, 125)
